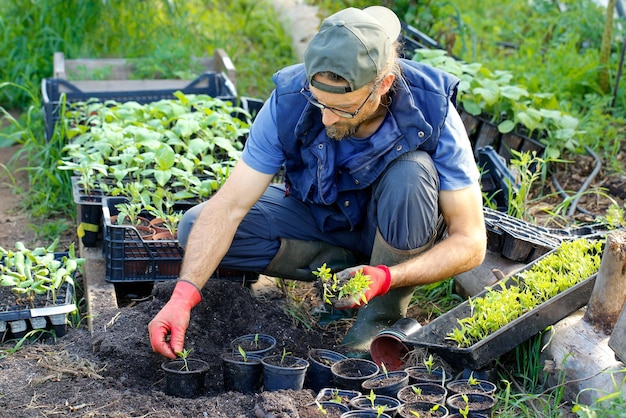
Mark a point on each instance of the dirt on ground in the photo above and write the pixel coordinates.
(114, 373)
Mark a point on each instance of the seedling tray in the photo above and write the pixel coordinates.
(213, 84)
(433, 335)
(16, 321)
(129, 258)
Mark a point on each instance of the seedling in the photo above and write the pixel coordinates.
(429, 363)
(371, 397)
(284, 355)
(256, 341)
(336, 397)
(333, 288)
(471, 380)
(465, 411)
(243, 353)
(380, 409)
(321, 408)
(382, 365)
(416, 390)
(184, 355)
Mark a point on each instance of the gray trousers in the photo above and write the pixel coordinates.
(404, 207)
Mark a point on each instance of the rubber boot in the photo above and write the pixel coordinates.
(298, 259)
(382, 311)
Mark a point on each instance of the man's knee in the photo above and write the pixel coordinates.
(407, 201)
(187, 222)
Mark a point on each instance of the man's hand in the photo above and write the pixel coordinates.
(167, 329)
(379, 285)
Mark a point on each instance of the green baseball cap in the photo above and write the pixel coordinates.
(354, 44)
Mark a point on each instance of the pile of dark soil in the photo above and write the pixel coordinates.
(116, 374)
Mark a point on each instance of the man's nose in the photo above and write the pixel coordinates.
(329, 118)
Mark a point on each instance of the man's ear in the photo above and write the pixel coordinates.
(387, 83)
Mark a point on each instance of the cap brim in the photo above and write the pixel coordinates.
(387, 18)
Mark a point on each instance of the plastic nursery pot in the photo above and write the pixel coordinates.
(422, 409)
(365, 402)
(184, 378)
(331, 409)
(387, 384)
(423, 392)
(90, 219)
(241, 374)
(420, 374)
(364, 414)
(478, 403)
(389, 347)
(471, 386)
(283, 372)
(350, 373)
(254, 344)
(319, 375)
(342, 396)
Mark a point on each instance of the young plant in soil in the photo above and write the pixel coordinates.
(184, 355)
(336, 289)
(558, 271)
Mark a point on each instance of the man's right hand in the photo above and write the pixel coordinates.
(167, 329)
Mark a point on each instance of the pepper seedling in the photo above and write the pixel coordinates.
(184, 357)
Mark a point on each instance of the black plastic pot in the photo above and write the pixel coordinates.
(420, 374)
(419, 409)
(333, 406)
(474, 386)
(319, 375)
(254, 344)
(242, 375)
(387, 384)
(423, 392)
(363, 402)
(388, 346)
(342, 396)
(364, 414)
(184, 381)
(479, 403)
(350, 373)
(286, 372)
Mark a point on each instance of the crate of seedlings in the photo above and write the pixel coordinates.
(118, 79)
(36, 289)
(505, 315)
(131, 248)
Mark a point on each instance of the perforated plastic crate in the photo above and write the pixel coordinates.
(130, 258)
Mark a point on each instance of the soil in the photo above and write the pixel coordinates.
(114, 373)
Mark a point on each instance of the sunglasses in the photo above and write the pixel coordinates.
(344, 114)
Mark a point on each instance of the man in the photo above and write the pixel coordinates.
(385, 173)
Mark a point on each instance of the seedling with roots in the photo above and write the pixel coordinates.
(333, 288)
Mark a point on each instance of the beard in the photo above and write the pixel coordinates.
(340, 131)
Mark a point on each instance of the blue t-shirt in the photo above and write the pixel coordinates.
(453, 157)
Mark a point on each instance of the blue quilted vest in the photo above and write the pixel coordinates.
(338, 197)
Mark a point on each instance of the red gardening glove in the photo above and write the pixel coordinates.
(167, 329)
(380, 283)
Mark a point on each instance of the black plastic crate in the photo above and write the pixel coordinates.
(214, 84)
(129, 258)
